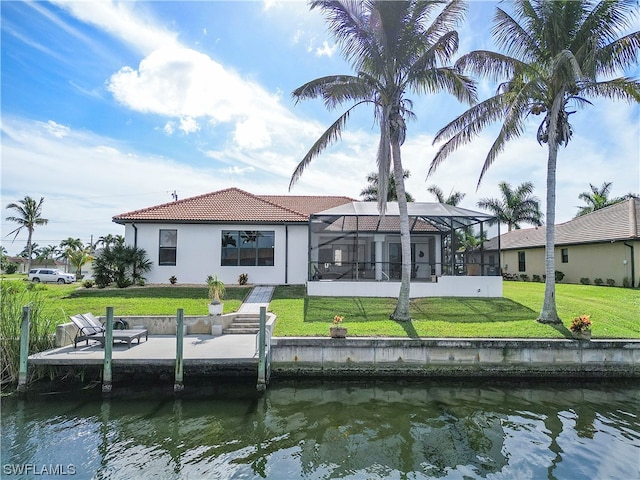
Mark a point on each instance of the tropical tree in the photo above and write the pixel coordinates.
(453, 199)
(597, 198)
(515, 206)
(68, 246)
(79, 258)
(370, 193)
(394, 51)
(122, 264)
(556, 53)
(48, 254)
(29, 216)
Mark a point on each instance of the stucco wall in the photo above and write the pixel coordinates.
(603, 260)
(199, 251)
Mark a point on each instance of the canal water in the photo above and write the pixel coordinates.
(323, 430)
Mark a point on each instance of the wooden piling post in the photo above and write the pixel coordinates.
(262, 361)
(108, 352)
(178, 386)
(24, 348)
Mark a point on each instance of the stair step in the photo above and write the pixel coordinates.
(239, 331)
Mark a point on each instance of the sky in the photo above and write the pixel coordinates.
(109, 107)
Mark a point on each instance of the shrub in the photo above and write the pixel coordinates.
(524, 277)
(536, 278)
(88, 283)
(243, 278)
(141, 282)
(173, 279)
(585, 281)
(11, 268)
(598, 281)
(559, 276)
(626, 283)
(611, 282)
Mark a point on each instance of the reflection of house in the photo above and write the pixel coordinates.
(603, 244)
(337, 246)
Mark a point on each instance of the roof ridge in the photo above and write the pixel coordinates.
(297, 196)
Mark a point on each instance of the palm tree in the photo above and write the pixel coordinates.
(394, 51)
(29, 215)
(370, 193)
(47, 254)
(597, 198)
(78, 258)
(515, 206)
(453, 199)
(556, 51)
(68, 246)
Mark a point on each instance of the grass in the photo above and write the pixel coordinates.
(614, 312)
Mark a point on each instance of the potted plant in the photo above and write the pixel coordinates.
(216, 293)
(581, 327)
(338, 331)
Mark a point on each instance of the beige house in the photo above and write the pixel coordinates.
(603, 244)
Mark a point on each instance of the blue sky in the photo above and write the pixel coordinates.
(109, 107)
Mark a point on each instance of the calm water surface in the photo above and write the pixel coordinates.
(356, 430)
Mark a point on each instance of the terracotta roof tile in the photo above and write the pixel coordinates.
(234, 205)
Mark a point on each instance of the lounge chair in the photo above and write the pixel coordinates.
(90, 328)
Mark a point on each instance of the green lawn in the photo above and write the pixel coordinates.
(615, 313)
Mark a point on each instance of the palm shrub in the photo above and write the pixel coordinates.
(15, 295)
(122, 264)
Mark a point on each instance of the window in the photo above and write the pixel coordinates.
(247, 247)
(522, 267)
(168, 247)
(565, 255)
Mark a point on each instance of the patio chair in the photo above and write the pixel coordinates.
(90, 328)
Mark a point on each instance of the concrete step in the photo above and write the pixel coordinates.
(244, 324)
(240, 330)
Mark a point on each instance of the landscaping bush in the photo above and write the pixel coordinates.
(626, 283)
(243, 279)
(88, 283)
(524, 277)
(173, 279)
(585, 281)
(611, 282)
(598, 281)
(11, 268)
(537, 278)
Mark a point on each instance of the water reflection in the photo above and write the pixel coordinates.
(333, 430)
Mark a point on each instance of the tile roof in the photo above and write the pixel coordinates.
(234, 205)
(620, 221)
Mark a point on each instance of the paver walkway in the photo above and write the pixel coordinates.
(260, 296)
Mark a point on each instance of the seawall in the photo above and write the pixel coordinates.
(373, 356)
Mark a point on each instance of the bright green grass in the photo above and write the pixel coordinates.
(64, 300)
(614, 311)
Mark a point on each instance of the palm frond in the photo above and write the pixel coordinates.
(618, 55)
(623, 88)
(511, 36)
(490, 65)
(327, 138)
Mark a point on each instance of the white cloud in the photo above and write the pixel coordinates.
(55, 129)
(326, 50)
(189, 125)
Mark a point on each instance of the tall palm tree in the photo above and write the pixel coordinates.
(394, 51)
(556, 53)
(68, 247)
(597, 198)
(29, 216)
(515, 206)
(370, 193)
(453, 199)
(48, 253)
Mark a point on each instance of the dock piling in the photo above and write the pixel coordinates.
(178, 385)
(107, 377)
(24, 348)
(262, 360)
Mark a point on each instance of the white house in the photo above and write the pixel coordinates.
(335, 245)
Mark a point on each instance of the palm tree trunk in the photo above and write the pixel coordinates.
(401, 312)
(549, 314)
(29, 249)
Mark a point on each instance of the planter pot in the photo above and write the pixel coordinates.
(338, 332)
(215, 308)
(583, 335)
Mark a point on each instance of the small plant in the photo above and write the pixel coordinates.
(88, 283)
(598, 281)
(173, 279)
(11, 268)
(141, 282)
(243, 279)
(585, 281)
(580, 324)
(216, 289)
(536, 278)
(611, 282)
(524, 277)
(337, 320)
(626, 283)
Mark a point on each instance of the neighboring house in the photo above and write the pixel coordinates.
(22, 264)
(603, 244)
(335, 245)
